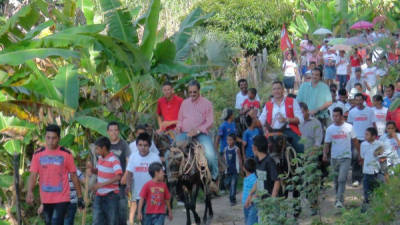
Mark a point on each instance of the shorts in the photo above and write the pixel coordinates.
(329, 72)
(288, 82)
(133, 193)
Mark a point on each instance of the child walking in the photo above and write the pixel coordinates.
(154, 196)
(250, 212)
(371, 164)
(109, 172)
(233, 162)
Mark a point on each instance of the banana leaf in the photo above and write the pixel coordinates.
(21, 56)
(150, 30)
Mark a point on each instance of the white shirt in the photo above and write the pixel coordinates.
(139, 166)
(240, 98)
(289, 68)
(134, 149)
(340, 139)
(369, 74)
(342, 68)
(329, 57)
(371, 164)
(394, 146)
(380, 119)
(280, 110)
(361, 120)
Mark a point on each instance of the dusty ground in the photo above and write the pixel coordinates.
(224, 214)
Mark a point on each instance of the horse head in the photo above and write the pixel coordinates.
(162, 141)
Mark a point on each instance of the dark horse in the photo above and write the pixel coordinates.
(188, 165)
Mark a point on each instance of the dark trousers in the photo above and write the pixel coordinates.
(105, 209)
(122, 206)
(70, 216)
(356, 173)
(294, 139)
(370, 183)
(54, 214)
(230, 184)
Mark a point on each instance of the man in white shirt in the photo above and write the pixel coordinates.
(354, 80)
(342, 69)
(241, 96)
(361, 118)
(338, 139)
(370, 77)
(380, 114)
(138, 165)
(283, 110)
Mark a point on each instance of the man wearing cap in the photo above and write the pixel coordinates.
(354, 80)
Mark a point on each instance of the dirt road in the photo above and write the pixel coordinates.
(224, 214)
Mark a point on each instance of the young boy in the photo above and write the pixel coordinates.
(138, 165)
(156, 195)
(248, 135)
(226, 128)
(371, 163)
(250, 212)
(233, 161)
(109, 172)
(266, 170)
(380, 114)
(251, 103)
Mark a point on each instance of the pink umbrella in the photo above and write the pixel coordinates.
(379, 19)
(362, 25)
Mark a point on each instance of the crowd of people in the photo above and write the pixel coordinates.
(333, 101)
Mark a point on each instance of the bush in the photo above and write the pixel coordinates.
(250, 24)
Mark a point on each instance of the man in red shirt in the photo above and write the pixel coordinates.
(52, 164)
(168, 108)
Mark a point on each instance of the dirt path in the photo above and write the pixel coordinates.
(224, 214)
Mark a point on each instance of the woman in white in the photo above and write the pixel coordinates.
(290, 72)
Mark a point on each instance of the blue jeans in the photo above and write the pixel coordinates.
(231, 183)
(294, 140)
(211, 156)
(54, 214)
(370, 182)
(154, 219)
(70, 216)
(342, 80)
(105, 209)
(250, 215)
(122, 206)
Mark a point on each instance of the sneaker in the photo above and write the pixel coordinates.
(356, 183)
(339, 204)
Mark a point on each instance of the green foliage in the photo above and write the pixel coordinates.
(276, 211)
(250, 24)
(383, 208)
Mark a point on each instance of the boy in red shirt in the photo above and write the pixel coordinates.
(52, 164)
(155, 193)
(251, 102)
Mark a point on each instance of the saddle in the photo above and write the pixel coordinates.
(186, 159)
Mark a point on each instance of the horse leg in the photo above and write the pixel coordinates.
(194, 197)
(211, 212)
(187, 200)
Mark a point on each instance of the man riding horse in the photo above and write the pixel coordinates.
(195, 119)
(283, 110)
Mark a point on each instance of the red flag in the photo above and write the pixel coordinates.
(285, 41)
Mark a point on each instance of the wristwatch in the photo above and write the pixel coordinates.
(198, 131)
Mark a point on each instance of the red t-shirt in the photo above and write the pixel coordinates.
(155, 194)
(251, 104)
(169, 110)
(355, 62)
(53, 167)
(394, 116)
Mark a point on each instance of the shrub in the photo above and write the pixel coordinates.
(250, 24)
